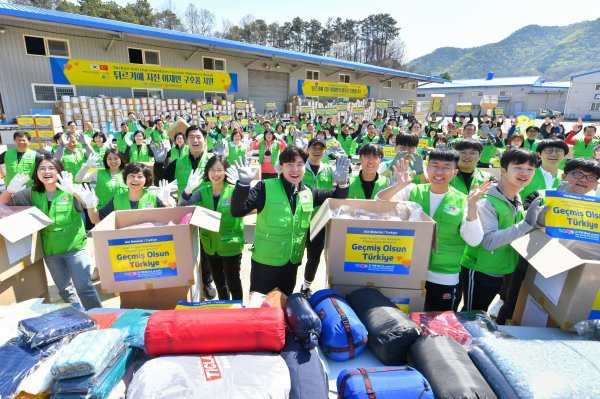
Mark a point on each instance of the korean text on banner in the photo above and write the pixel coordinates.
(140, 258)
(573, 216)
(389, 151)
(331, 89)
(378, 250)
(381, 105)
(270, 105)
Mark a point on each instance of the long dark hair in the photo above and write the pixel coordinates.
(212, 161)
(37, 183)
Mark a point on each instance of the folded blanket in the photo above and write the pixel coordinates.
(133, 322)
(441, 323)
(42, 330)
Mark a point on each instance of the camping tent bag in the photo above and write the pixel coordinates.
(383, 383)
(303, 320)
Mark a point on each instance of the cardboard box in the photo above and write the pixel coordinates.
(28, 283)
(180, 125)
(48, 122)
(26, 122)
(148, 258)
(529, 313)
(156, 299)
(388, 254)
(405, 299)
(565, 284)
(20, 243)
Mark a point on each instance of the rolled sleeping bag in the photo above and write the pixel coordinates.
(303, 320)
(391, 331)
(383, 383)
(343, 336)
(307, 374)
(215, 331)
(491, 373)
(448, 368)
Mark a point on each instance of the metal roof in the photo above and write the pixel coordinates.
(38, 14)
(585, 74)
(483, 83)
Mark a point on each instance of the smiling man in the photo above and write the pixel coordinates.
(20, 159)
(368, 182)
(469, 175)
(548, 174)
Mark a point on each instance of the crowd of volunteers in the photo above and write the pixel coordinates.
(439, 164)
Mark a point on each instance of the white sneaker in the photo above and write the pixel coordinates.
(210, 291)
(495, 308)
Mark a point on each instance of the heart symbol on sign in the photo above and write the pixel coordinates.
(226, 87)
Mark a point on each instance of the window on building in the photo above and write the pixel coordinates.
(147, 93)
(209, 95)
(142, 56)
(387, 84)
(505, 93)
(597, 87)
(35, 45)
(344, 78)
(44, 93)
(595, 107)
(213, 64)
(420, 95)
(312, 75)
(413, 86)
(311, 98)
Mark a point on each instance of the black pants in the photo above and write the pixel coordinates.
(479, 289)
(264, 278)
(504, 287)
(206, 274)
(440, 298)
(512, 292)
(226, 273)
(265, 176)
(314, 249)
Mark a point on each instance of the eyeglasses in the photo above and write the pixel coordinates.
(370, 157)
(443, 169)
(47, 169)
(557, 151)
(581, 176)
(291, 166)
(216, 171)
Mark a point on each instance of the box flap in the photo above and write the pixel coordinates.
(23, 223)
(546, 254)
(206, 219)
(320, 220)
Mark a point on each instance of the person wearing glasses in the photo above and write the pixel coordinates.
(368, 182)
(547, 175)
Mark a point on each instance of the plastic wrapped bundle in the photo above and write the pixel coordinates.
(441, 323)
(303, 320)
(172, 332)
(307, 374)
(448, 368)
(244, 375)
(383, 383)
(42, 330)
(478, 324)
(343, 335)
(134, 322)
(391, 331)
(589, 329)
(539, 369)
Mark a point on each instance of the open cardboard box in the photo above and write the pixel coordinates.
(27, 283)
(379, 253)
(150, 258)
(563, 283)
(179, 126)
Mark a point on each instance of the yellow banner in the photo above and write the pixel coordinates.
(305, 110)
(381, 105)
(423, 142)
(331, 112)
(332, 89)
(406, 110)
(573, 216)
(211, 119)
(270, 105)
(225, 118)
(358, 110)
(499, 111)
(139, 258)
(341, 107)
(436, 104)
(389, 151)
(207, 107)
(463, 108)
(112, 74)
(240, 105)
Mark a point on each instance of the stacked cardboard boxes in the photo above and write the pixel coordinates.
(41, 128)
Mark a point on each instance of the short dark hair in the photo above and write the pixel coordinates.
(37, 183)
(212, 161)
(518, 156)
(590, 127)
(469, 144)
(444, 154)
(158, 120)
(371, 149)
(193, 128)
(535, 128)
(139, 132)
(586, 164)
(69, 123)
(21, 133)
(124, 124)
(136, 167)
(552, 143)
(129, 113)
(118, 154)
(101, 135)
(408, 140)
(469, 125)
(182, 134)
(290, 153)
(370, 124)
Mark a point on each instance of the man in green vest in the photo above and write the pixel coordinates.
(406, 148)
(531, 141)
(548, 174)
(347, 141)
(122, 136)
(468, 174)
(370, 137)
(584, 146)
(368, 182)
(157, 133)
(457, 223)
(501, 212)
(20, 159)
(73, 149)
(285, 206)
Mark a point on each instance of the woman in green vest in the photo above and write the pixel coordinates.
(268, 154)
(139, 151)
(109, 181)
(99, 144)
(73, 149)
(223, 249)
(64, 241)
(180, 148)
(20, 159)
(236, 148)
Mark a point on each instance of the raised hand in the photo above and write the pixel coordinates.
(401, 174)
(342, 170)
(17, 183)
(245, 172)
(92, 160)
(194, 181)
(164, 191)
(86, 195)
(477, 192)
(65, 182)
(417, 163)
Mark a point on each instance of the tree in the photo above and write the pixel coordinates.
(167, 18)
(445, 75)
(199, 21)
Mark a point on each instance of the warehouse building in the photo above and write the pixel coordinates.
(48, 54)
(515, 94)
(583, 99)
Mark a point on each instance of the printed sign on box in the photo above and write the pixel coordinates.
(140, 258)
(389, 151)
(573, 216)
(319, 88)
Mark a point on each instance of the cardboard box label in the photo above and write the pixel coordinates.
(382, 251)
(140, 258)
(595, 312)
(573, 216)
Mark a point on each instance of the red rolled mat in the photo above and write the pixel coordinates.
(215, 331)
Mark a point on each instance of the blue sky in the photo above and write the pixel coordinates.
(425, 25)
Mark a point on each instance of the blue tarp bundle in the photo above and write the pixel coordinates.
(44, 329)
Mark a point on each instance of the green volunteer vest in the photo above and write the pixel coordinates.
(121, 142)
(280, 237)
(580, 150)
(67, 232)
(479, 177)
(106, 189)
(155, 135)
(501, 260)
(13, 165)
(235, 153)
(121, 201)
(229, 241)
(177, 153)
(530, 147)
(348, 144)
(72, 160)
(99, 151)
(90, 133)
(183, 170)
(274, 152)
(448, 216)
(375, 140)
(489, 151)
(139, 154)
(323, 179)
(131, 127)
(538, 183)
(356, 190)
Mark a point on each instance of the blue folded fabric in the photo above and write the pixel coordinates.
(47, 328)
(134, 322)
(88, 353)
